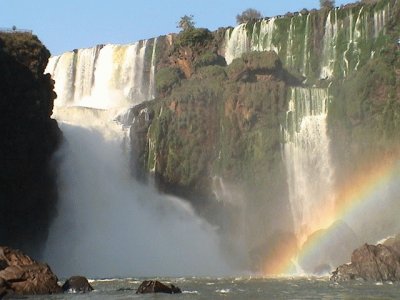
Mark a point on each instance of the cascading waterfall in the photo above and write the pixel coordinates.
(236, 43)
(109, 225)
(151, 93)
(344, 41)
(329, 45)
(103, 76)
(307, 158)
(338, 47)
(263, 40)
(306, 55)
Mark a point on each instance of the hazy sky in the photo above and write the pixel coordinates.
(69, 24)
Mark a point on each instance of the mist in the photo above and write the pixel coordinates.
(108, 224)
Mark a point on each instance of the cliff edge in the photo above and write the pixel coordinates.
(29, 137)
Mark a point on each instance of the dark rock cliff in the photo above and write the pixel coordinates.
(29, 137)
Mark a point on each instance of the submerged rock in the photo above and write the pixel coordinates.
(371, 262)
(21, 275)
(155, 286)
(77, 284)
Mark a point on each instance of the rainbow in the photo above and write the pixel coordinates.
(351, 198)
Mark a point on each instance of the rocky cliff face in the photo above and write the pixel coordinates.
(217, 134)
(28, 192)
(263, 127)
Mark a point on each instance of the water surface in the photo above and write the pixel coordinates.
(241, 288)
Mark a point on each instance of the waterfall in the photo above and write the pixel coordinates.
(103, 76)
(296, 39)
(109, 225)
(307, 159)
(236, 43)
(289, 51)
(151, 94)
(262, 41)
(306, 55)
(329, 45)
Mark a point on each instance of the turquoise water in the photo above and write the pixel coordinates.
(242, 288)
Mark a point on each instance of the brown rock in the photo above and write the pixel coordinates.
(77, 284)
(371, 262)
(22, 275)
(155, 286)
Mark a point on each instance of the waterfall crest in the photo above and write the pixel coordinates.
(104, 76)
(345, 38)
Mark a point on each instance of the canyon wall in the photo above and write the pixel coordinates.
(28, 190)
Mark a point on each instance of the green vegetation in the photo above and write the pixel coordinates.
(193, 37)
(214, 123)
(27, 49)
(166, 79)
(186, 23)
(327, 4)
(208, 59)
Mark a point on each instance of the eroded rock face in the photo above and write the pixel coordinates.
(77, 284)
(371, 262)
(22, 275)
(155, 286)
(29, 138)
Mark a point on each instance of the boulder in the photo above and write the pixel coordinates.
(5, 288)
(334, 247)
(155, 286)
(371, 262)
(77, 284)
(21, 275)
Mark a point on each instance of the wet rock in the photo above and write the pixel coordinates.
(77, 284)
(335, 246)
(155, 286)
(371, 262)
(22, 275)
(5, 288)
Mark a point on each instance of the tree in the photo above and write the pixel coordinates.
(186, 23)
(248, 15)
(327, 4)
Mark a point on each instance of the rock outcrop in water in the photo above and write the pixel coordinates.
(77, 284)
(21, 275)
(28, 191)
(155, 286)
(372, 262)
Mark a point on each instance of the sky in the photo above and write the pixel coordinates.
(72, 24)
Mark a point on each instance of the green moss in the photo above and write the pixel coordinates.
(193, 37)
(167, 78)
(209, 58)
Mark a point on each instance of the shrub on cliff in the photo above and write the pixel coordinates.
(193, 37)
(186, 23)
(209, 58)
(248, 15)
(265, 62)
(27, 50)
(166, 79)
(327, 4)
(215, 73)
